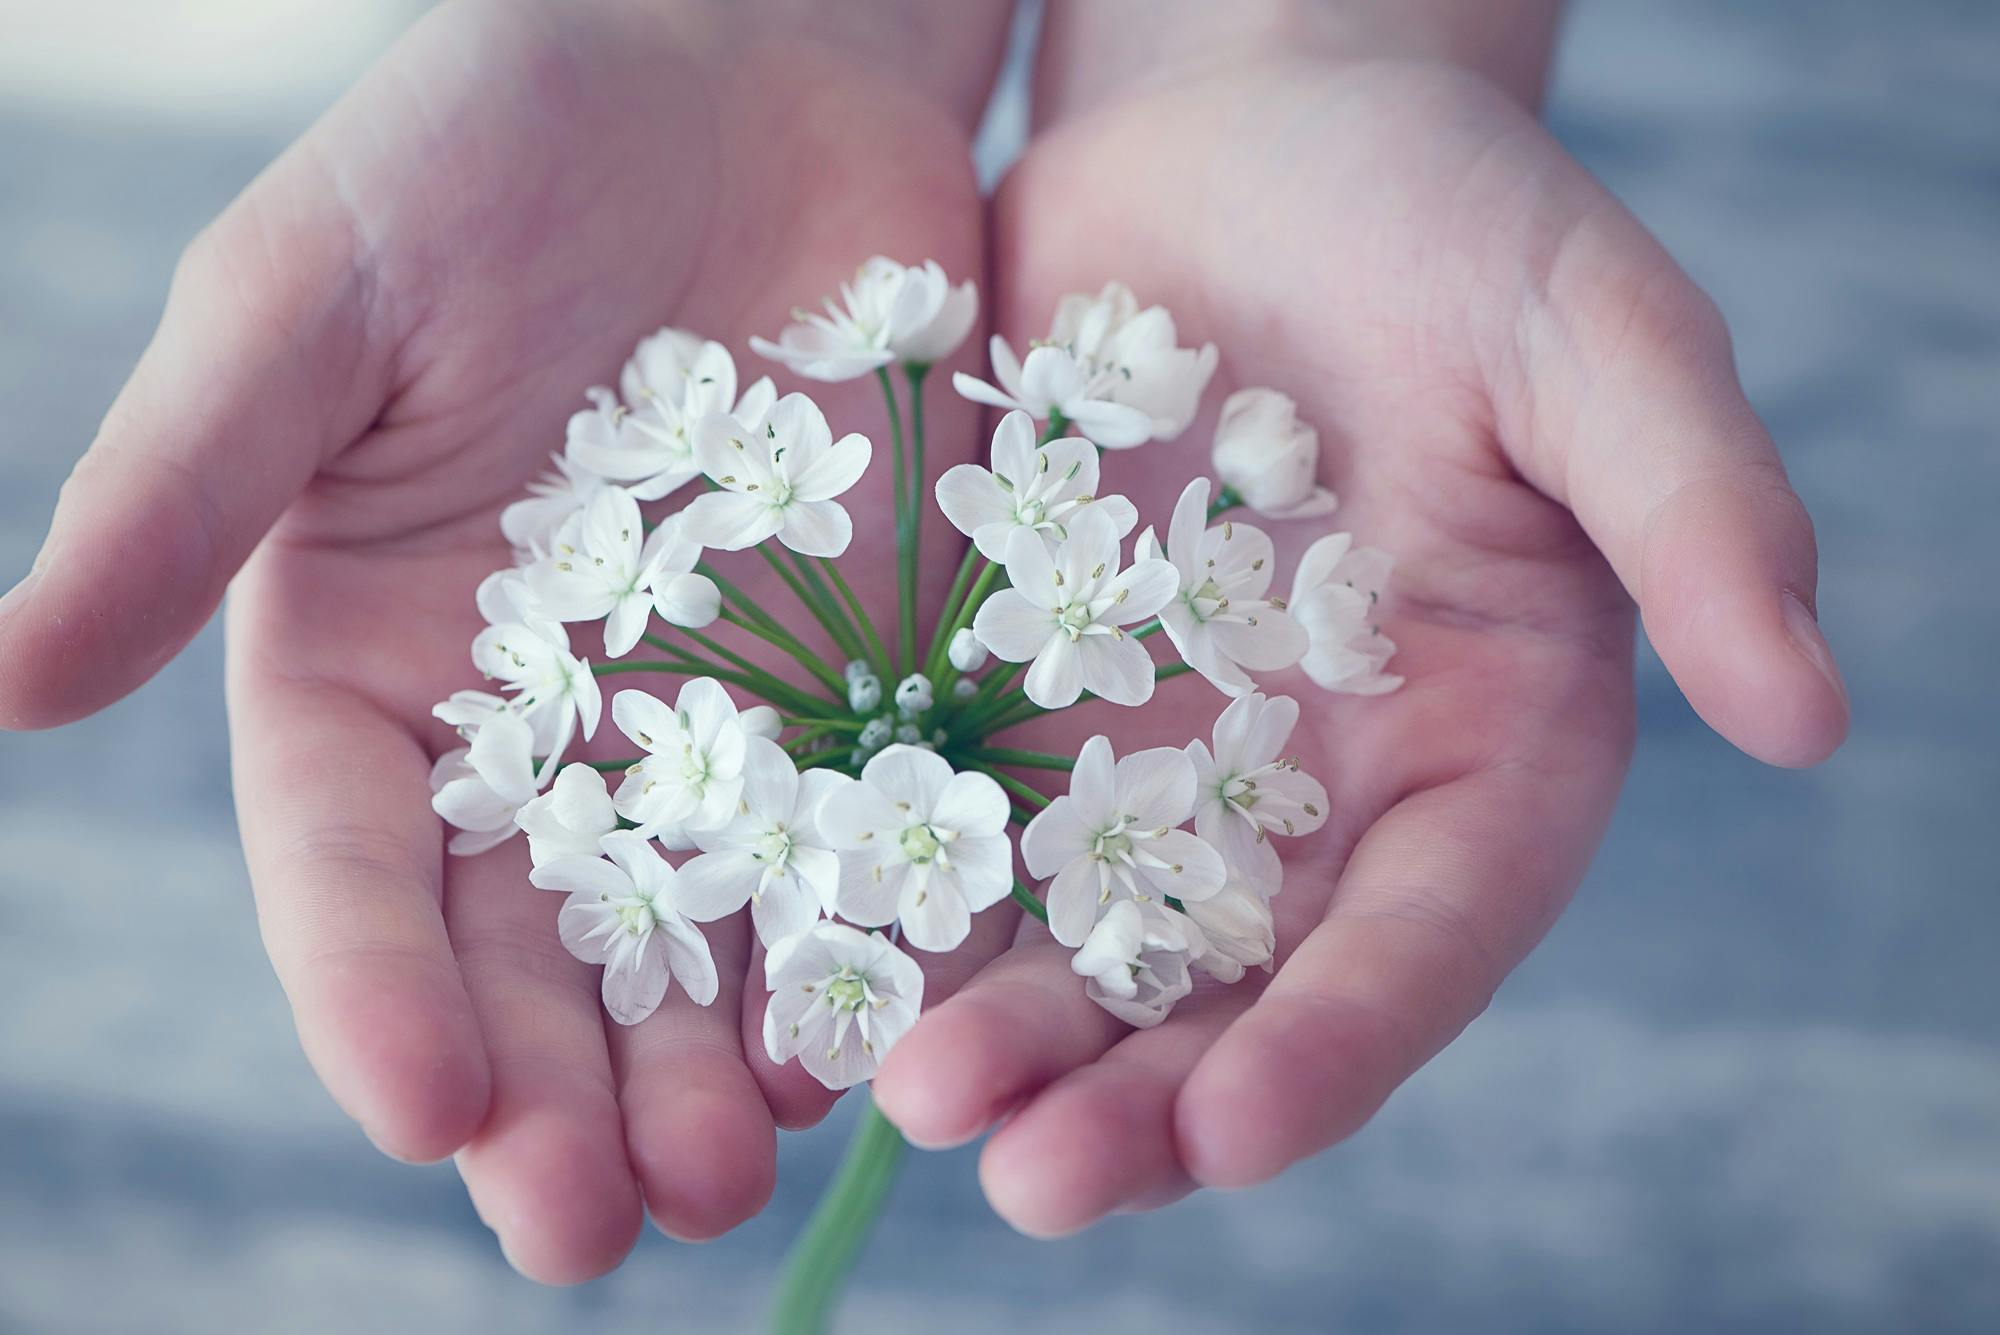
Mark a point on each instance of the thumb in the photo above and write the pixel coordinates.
(256, 373)
(1634, 418)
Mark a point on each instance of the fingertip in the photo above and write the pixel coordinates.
(705, 1150)
(950, 1078)
(554, 1186)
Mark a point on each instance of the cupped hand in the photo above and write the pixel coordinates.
(368, 355)
(1526, 403)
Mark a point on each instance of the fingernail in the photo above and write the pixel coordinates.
(1807, 638)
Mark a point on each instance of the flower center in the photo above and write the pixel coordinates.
(1074, 618)
(774, 848)
(637, 915)
(847, 991)
(921, 844)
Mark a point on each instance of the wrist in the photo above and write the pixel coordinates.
(1093, 50)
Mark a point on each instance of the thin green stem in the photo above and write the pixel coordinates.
(1010, 755)
(1225, 500)
(948, 617)
(1026, 792)
(772, 687)
(1150, 629)
(906, 552)
(880, 651)
(1026, 899)
(851, 642)
(1057, 425)
(914, 373)
(822, 609)
(829, 724)
(839, 1228)
(613, 766)
(783, 639)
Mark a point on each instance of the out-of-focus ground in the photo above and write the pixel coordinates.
(1751, 1083)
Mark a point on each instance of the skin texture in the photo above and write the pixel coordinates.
(1527, 403)
(375, 348)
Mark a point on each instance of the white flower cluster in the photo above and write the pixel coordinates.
(869, 809)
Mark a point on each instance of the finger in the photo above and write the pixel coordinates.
(334, 803)
(1101, 1138)
(260, 366)
(548, 1171)
(1439, 900)
(697, 1130)
(1019, 1023)
(1633, 417)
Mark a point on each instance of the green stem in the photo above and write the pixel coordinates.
(1024, 791)
(785, 640)
(773, 688)
(1225, 500)
(828, 724)
(1026, 899)
(906, 552)
(822, 610)
(883, 664)
(1009, 755)
(839, 1227)
(1057, 425)
(688, 671)
(914, 373)
(1150, 629)
(613, 766)
(949, 616)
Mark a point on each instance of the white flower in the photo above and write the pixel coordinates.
(673, 380)
(1269, 457)
(778, 482)
(628, 915)
(965, 652)
(692, 775)
(1028, 487)
(1136, 961)
(1248, 789)
(467, 711)
(480, 787)
(920, 844)
(761, 721)
(1220, 619)
(889, 313)
(1237, 931)
(1066, 613)
(864, 692)
(1053, 381)
(605, 565)
(553, 499)
(1113, 836)
(554, 690)
(1334, 595)
(771, 852)
(839, 1001)
(914, 694)
(568, 820)
(1135, 353)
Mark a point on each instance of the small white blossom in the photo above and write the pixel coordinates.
(1027, 488)
(779, 481)
(919, 844)
(1248, 789)
(554, 690)
(1114, 836)
(479, 788)
(856, 669)
(1334, 596)
(673, 380)
(875, 734)
(1220, 618)
(965, 652)
(1136, 354)
(1136, 961)
(570, 818)
(889, 313)
(914, 694)
(965, 688)
(628, 915)
(1266, 455)
(839, 1001)
(605, 565)
(771, 853)
(909, 734)
(761, 721)
(692, 775)
(553, 499)
(1066, 613)
(1053, 381)
(864, 693)
(1237, 932)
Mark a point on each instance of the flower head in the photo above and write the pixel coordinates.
(779, 481)
(1334, 596)
(1134, 353)
(1266, 455)
(1136, 961)
(1219, 618)
(1028, 487)
(1237, 931)
(673, 380)
(771, 852)
(1113, 836)
(919, 844)
(478, 788)
(626, 914)
(554, 690)
(1053, 381)
(606, 565)
(839, 1001)
(692, 775)
(1248, 790)
(888, 313)
(570, 818)
(1066, 614)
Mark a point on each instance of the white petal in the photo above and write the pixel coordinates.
(816, 528)
(970, 499)
(730, 521)
(1072, 901)
(1014, 628)
(715, 885)
(1057, 678)
(688, 956)
(972, 804)
(934, 918)
(1156, 787)
(834, 471)
(1115, 669)
(687, 600)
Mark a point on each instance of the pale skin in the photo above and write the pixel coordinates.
(375, 348)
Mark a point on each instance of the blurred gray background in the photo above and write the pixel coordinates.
(1751, 1083)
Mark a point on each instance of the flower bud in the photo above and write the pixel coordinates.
(964, 688)
(966, 653)
(909, 734)
(875, 735)
(857, 668)
(913, 693)
(760, 721)
(864, 692)
(1266, 455)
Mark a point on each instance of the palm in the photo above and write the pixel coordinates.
(1376, 243)
(517, 249)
